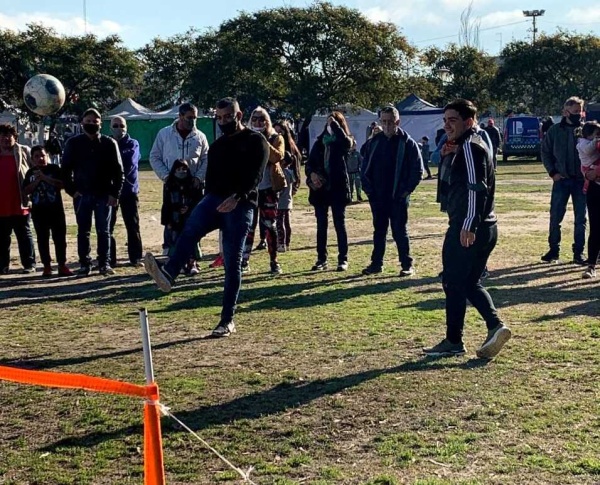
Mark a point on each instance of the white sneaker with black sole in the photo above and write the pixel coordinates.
(159, 276)
(496, 338)
(223, 330)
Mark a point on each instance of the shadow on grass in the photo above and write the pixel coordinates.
(275, 400)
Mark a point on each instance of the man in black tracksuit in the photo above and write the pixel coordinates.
(471, 235)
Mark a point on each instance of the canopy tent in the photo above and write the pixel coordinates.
(143, 124)
(420, 118)
(358, 120)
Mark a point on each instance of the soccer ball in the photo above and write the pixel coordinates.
(44, 94)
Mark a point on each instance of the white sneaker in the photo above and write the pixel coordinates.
(589, 273)
(223, 330)
(194, 270)
(158, 275)
(496, 338)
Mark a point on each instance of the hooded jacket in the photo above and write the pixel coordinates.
(170, 146)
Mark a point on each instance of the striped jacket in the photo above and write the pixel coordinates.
(472, 184)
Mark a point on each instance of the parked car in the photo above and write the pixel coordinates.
(522, 137)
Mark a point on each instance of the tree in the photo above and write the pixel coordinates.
(300, 60)
(96, 72)
(539, 78)
(468, 34)
(472, 74)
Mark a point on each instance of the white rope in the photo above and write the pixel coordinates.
(167, 412)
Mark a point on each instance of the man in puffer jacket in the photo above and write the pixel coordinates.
(180, 141)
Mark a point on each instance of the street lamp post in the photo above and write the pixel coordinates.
(534, 14)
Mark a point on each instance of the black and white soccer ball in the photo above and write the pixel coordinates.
(44, 94)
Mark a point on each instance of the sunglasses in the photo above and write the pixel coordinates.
(118, 126)
(261, 119)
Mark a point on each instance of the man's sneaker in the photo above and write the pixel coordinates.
(407, 271)
(217, 263)
(496, 338)
(223, 330)
(281, 248)
(160, 277)
(276, 268)
(29, 270)
(106, 270)
(589, 273)
(343, 266)
(245, 267)
(579, 259)
(445, 349)
(47, 271)
(550, 257)
(138, 263)
(372, 269)
(64, 271)
(194, 269)
(84, 270)
(319, 266)
(261, 245)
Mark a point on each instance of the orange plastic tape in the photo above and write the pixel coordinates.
(77, 381)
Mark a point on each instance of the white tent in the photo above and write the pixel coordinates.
(420, 118)
(130, 110)
(358, 120)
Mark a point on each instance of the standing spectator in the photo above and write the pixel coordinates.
(329, 186)
(284, 209)
(235, 166)
(129, 202)
(272, 182)
(180, 141)
(53, 148)
(561, 161)
(180, 196)
(14, 204)
(426, 155)
(354, 163)
(92, 173)
(43, 184)
(392, 169)
(495, 137)
(472, 233)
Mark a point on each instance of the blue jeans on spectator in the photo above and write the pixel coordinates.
(86, 206)
(338, 211)
(234, 226)
(561, 191)
(388, 212)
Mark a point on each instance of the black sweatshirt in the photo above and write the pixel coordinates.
(236, 164)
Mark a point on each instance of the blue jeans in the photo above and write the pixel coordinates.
(234, 226)
(561, 191)
(395, 213)
(338, 210)
(86, 206)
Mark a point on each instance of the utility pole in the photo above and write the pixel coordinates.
(85, 17)
(534, 14)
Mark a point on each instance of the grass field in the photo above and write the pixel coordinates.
(324, 382)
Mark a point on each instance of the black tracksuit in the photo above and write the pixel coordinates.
(471, 190)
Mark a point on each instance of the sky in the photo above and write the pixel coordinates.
(423, 22)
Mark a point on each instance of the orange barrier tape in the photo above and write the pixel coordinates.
(76, 381)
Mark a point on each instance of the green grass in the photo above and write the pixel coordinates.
(324, 382)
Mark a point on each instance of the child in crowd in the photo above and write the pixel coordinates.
(43, 184)
(284, 208)
(179, 199)
(426, 155)
(588, 147)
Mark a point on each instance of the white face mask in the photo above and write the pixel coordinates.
(258, 129)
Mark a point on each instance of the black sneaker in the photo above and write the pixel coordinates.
(261, 245)
(29, 270)
(276, 268)
(158, 274)
(579, 259)
(319, 266)
(407, 271)
(106, 270)
(372, 269)
(245, 267)
(495, 340)
(343, 266)
(445, 349)
(550, 257)
(84, 270)
(223, 330)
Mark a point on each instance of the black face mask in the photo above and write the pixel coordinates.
(575, 119)
(91, 128)
(229, 128)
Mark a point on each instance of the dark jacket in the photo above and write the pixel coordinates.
(409, 165)
(178, 194)
(495, 136)
(471, 183)
(336, 189)
(92, 167)
(130, 156)
(559, 151)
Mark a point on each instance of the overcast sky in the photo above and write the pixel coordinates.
(423, 22)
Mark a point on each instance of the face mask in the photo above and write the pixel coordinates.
(118, 133)
(575, 119)
(329, 130)
(228, 128)
(188, 124)
(91, 128)
(181, 175)
(258, 129)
